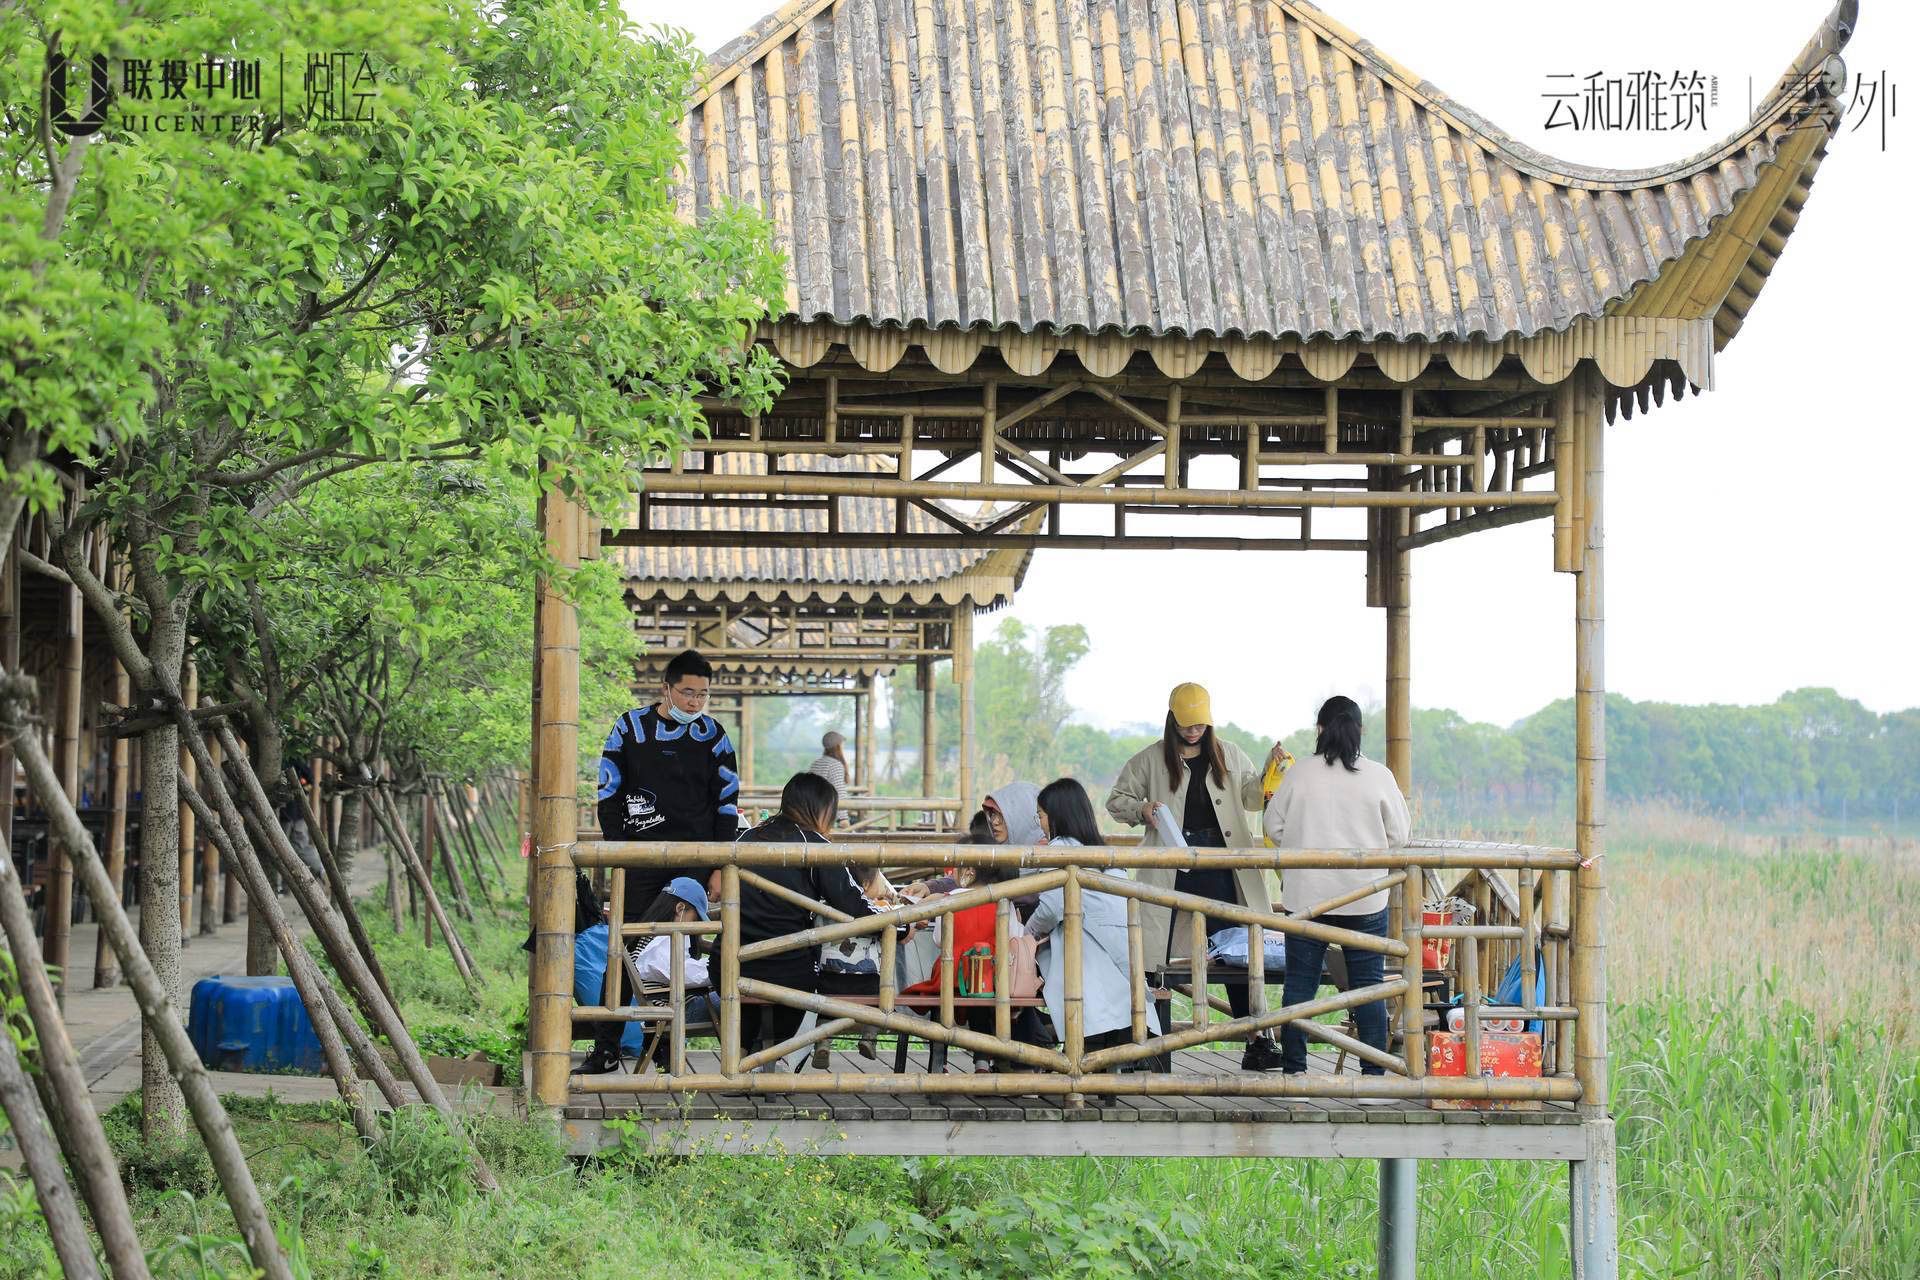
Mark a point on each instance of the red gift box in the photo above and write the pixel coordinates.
(1502, 1053)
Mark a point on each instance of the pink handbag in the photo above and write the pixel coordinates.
(1023, 966)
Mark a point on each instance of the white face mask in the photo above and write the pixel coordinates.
(679, 716)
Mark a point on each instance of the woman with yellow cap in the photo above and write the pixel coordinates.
(1211, 787)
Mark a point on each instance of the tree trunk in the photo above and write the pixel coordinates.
(70, 1105)
(159, 1013)
(307, 979)
(268, 751)
(162, 1110)
(346, 844)
(57, 1205)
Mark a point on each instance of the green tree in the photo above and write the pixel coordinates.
(492, 270)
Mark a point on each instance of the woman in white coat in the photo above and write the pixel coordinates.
(1066, 817)
(1211, 787)
(1336, 799)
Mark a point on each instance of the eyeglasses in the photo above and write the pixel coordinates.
(688, 695)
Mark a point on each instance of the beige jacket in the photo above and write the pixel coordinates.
(1323, 806)
(1145, 779)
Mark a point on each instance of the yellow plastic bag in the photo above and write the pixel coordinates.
(1276, 770)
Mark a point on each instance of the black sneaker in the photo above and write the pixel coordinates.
(601, 1062)
(1262, 1055)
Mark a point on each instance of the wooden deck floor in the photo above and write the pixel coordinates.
(955, 1124)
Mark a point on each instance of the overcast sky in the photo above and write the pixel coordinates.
(1758, 539)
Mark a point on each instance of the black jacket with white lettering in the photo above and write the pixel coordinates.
(665, 781)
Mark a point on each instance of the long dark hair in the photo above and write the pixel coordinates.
(1170, 747)
(661, 910)
(980, 829)
(809, 800)
(1069, 811)
(1339, 726)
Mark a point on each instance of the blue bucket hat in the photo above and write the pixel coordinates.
(688, 890)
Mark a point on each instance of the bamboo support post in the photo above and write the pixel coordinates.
(1136, 971)
(730, 970)
(58, 1206)
(1256, 970)
(210, 867)
(75, 1122)
(889, 968)
(336, 885)
(1072, 939)
(1529, 940)
(677, 1001)
(1197, 964)
(989, 431)
(1589, 918)
(553, 826)
(1330, 420)
(963, 690)
(390, 820)
(1470, 988)
(188, 851)
(1002, 969)
(56, 944)
(1172, 471)
(923, 677)
(106, 971)
(948, 965)
(610, 993)
(1413, 1013)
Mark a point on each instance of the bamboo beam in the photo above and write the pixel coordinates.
(555, 752)
(833, 484)
(1132, 1084)
(1430, 854)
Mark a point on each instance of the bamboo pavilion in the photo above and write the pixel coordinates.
(1074, 268)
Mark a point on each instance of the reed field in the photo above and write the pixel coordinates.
(1766, 1085)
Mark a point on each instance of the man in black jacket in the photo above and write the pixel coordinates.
(667, 772)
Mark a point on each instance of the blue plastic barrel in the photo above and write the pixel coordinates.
(253, 1024)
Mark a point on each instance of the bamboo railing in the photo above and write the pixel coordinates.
(1073, 1069)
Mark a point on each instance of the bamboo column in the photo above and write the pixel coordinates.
(1590, 772)
(1399, 1214)
(210, 874)
(59, 929)
(746, 742)
(106, 969)
(555, 747)
(1592, 1185)
(867, 744)
(923, 677)
(188, 779)
(963, 689)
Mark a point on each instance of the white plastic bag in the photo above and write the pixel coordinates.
(1169, 831)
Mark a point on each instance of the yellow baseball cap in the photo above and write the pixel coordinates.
(1190, 705)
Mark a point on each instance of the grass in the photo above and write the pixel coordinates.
(1766, 1084)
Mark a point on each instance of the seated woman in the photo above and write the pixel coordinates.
(1066, 818)
(808, 804)
(682, 900)
(1336, 799)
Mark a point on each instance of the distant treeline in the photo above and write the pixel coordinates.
(1810, 753)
